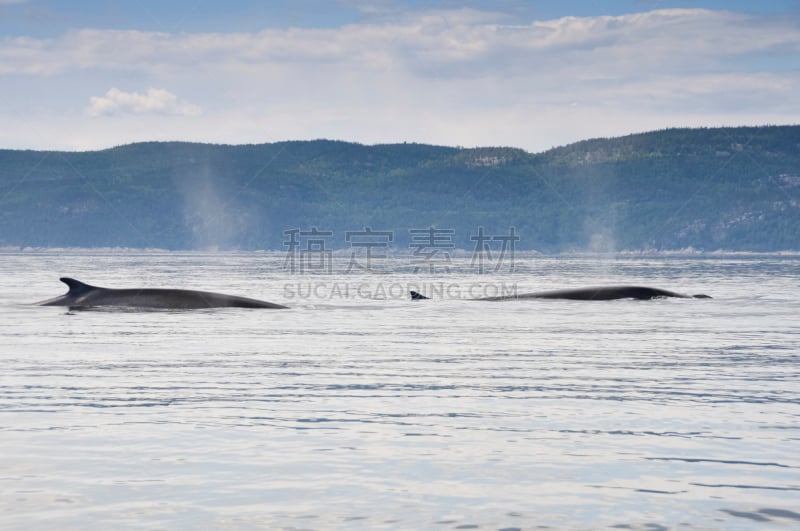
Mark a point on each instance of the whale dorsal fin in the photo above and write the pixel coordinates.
(76, 287)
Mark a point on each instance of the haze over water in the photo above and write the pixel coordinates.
(353, 412)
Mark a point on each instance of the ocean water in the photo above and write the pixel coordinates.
(359, 409)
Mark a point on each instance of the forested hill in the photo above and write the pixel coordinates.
(725, 188)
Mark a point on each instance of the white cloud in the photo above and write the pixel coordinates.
(451, 77)
(463, 43)
(157, 101)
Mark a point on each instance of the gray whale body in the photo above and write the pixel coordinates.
(82, 295)
(603, 293)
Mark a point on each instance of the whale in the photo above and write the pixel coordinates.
(602, 293)
(81, 295)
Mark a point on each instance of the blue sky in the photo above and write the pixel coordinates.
(532, 74)
(49, 18)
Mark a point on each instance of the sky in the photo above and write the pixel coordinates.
(85, 75)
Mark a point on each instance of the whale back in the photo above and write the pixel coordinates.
(603, 293)
(82, 295)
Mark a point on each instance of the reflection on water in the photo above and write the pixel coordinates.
(349, 411)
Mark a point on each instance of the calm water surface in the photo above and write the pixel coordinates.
(359, 409)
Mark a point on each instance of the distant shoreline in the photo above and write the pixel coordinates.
(402, 252)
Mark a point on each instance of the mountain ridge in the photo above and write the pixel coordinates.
(732, 188)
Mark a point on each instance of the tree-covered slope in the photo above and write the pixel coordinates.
(726, 188)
